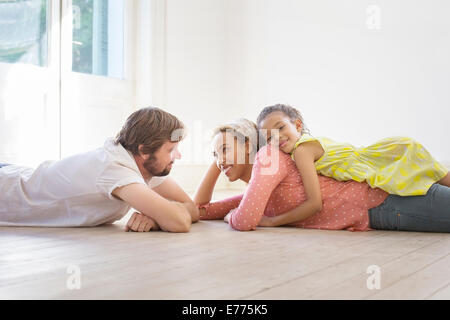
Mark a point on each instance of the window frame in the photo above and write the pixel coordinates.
(109, 98)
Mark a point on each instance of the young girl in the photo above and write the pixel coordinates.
(398, 165)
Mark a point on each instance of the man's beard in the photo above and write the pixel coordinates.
(151, 165)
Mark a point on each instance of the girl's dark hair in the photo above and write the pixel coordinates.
(292, 113)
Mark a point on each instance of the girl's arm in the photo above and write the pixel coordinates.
(300, 213)
(304, 156)
(269, 170)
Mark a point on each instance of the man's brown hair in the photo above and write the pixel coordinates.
(150, 127)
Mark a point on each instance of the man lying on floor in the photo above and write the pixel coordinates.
(101, 186)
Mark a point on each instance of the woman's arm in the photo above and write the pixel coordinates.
(202, 197)
(219, 209)
(204, 192)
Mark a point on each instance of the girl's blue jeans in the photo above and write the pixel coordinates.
(427, 213)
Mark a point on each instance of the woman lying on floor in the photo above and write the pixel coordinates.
(275, 194)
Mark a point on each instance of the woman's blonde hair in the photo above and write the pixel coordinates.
(243, 130)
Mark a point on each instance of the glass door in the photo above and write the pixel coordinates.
(66, 76)
(29, 81)
(97, 79)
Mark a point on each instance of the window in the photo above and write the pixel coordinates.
(23, 31)
(66, 75)
(98, 37)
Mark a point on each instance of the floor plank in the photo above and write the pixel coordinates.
(215, 262)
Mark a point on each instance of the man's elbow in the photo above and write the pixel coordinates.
(193, 210)
(181, 227)
(195, 214)
(181, 221)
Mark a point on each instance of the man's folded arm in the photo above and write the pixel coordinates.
(171, 216)
(170, 190)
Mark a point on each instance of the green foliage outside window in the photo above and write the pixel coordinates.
(23, 31)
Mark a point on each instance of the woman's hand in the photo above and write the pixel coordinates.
(141, 223)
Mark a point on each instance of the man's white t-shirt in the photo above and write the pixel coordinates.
(72, 192)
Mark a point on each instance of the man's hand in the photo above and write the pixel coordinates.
(142, 198)
(141, 223)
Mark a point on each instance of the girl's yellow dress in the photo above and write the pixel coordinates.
(398, 165)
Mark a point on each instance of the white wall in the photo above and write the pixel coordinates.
(211, 61)
(352, 82)
(199, 60)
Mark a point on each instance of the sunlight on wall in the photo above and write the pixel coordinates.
(26, 118)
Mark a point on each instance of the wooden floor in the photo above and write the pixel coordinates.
(214, 262)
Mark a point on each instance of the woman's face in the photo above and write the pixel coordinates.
(232, 156)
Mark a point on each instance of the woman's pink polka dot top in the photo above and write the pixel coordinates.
(276, 187)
